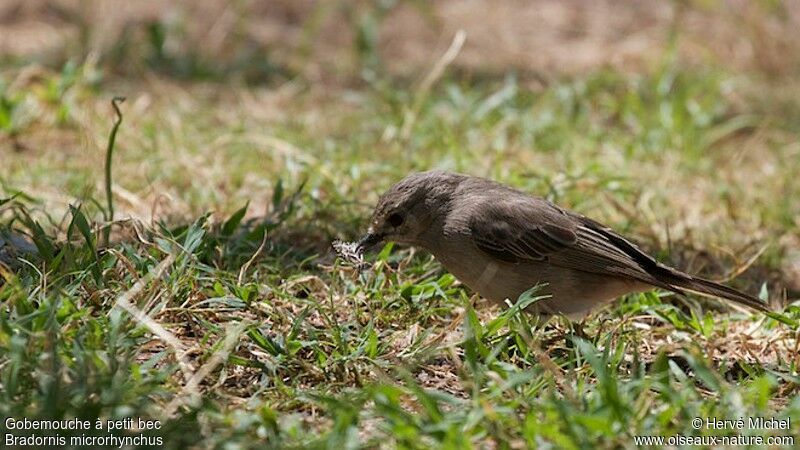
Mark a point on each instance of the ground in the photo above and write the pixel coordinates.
(252, 137)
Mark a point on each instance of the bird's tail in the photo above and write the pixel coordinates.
(684, 282)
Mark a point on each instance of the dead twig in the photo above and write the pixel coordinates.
(427, 83)
(191, 390)
(124, 302)
(746, 265)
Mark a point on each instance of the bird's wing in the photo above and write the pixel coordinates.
(531, 229)
(524, 228)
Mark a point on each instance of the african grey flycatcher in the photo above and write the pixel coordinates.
(501, 242)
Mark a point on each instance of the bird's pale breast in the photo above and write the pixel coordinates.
(573, 293)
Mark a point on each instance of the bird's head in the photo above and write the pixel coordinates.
(408, 210)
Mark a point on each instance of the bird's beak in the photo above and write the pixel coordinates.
(369, 240)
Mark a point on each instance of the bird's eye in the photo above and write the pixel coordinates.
(395, 219)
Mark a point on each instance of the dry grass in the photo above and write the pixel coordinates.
(543, 39)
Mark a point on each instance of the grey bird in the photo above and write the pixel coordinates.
(500, 242)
